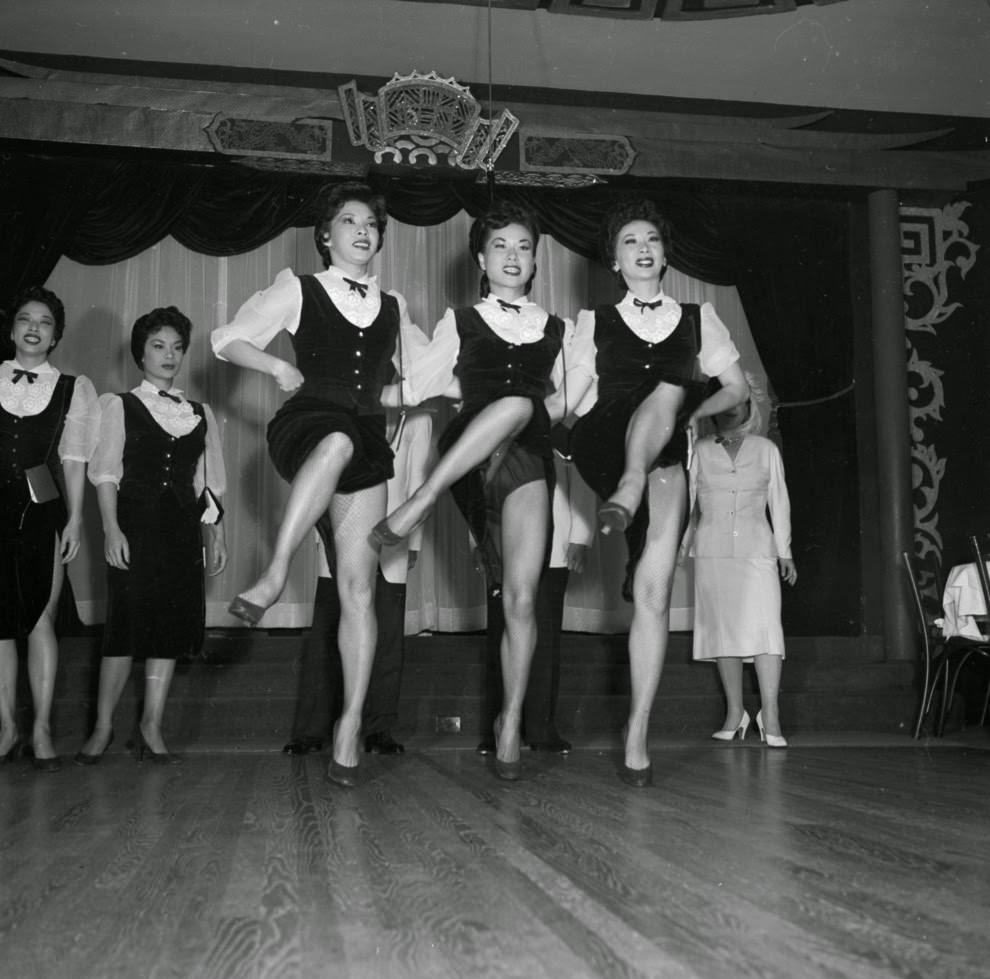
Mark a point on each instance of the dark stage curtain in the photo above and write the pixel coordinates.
(788, 255)
(794, 279)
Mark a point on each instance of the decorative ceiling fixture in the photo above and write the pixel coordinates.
(428, 119)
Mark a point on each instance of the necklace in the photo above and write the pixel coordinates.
(730, 439)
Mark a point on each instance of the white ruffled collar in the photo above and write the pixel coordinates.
(651, 325)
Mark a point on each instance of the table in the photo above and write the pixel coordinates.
(961, 600)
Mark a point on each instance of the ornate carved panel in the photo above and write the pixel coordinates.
(546, 152)
(933, 243)
(302, 139)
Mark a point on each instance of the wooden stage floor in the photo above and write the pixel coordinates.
(839, 858)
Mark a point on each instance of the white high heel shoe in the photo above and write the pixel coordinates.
(772, 740)
(730, 734)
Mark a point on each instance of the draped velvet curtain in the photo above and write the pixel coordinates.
(786, 251)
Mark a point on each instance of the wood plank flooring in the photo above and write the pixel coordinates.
(819, 861)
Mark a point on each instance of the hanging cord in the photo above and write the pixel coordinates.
(815, 401)
(490, 164)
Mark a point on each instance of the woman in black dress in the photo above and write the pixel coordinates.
(45, 416)
(157, 462)
(646, 354)
(499, 357)
(328, 440)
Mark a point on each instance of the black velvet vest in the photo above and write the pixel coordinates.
(156, 463)
(488, 367)
(340, 362)
(33, 439)
(625, 362)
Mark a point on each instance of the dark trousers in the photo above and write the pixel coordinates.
(320, 689)
(540, 705)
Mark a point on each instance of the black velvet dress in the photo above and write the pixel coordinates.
(156, 608)
(629, 369)
(344, 369)
(28, 530)
(490, 368)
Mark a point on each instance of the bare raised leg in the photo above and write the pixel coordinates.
(649, 430)
(525, 525)
(312, 489)
(650, 626)
(353, 515)
(487, 431)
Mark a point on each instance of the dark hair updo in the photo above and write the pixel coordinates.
(499, 215)
(149, 324)
(626, 213)
(38, 294)
(339, 195)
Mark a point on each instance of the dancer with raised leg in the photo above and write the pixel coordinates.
(328, 440)
(496, 454)
(645, 355)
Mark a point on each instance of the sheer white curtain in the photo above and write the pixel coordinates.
(432, 269)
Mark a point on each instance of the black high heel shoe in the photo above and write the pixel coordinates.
(81, 758)
(141, 748)
(13, 752)
(46, 764)
(511, 771)
(638, 778)
(246, 611)
(614, 516)
(344, 775)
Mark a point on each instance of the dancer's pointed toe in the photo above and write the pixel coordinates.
(614, 516)
(246, 611)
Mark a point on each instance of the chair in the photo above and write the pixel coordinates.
(980, 647)
(933, 647)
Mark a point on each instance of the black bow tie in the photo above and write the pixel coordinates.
(171, 397)
(359, 287)
(643, 307)
(508, 306)
(18, 374)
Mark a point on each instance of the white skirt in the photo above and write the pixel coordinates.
(736, 608)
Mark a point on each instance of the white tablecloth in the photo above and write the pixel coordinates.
(962, 600)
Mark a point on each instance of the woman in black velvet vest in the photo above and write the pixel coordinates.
(635, 379)
(499, 358)
(46, 418)
(328, 440)
(157, 454)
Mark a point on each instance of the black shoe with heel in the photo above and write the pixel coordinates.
(510, 771)
(302, 746)
(81, 758)
(13, 752)
(382, 743)
(142, 750)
